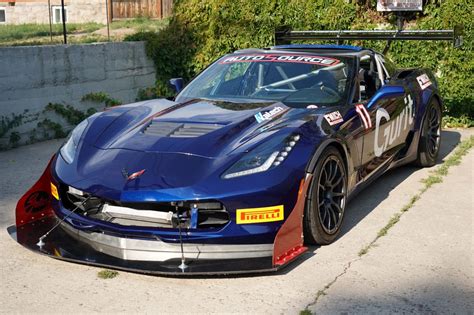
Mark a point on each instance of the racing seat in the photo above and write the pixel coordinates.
(367, 84)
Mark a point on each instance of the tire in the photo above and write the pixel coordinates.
(430, 137)
(326, 203)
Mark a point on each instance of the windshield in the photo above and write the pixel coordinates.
(297, 80)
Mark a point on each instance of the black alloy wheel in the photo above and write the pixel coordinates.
(434, 131)
(430, 139)
(327, 200)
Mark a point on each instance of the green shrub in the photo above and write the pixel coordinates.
(107, 274)
(458, 122)
(201, 31)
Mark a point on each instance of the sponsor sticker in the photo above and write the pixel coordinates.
(54, 191)
(260, 215)
(393, 128)
(364, 116)
(268, 114)
(293, 58)
(399, 5)
(334, 118)
(424, 81)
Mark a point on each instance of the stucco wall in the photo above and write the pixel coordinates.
(34, 76)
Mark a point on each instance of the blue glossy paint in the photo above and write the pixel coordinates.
(387, 91)
(190, 169)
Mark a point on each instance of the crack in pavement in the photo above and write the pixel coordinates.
(434, 177)
(327, 286)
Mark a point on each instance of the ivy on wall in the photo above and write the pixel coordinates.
(9, 122)
(201, 31)
(101, 97)
(47, 128)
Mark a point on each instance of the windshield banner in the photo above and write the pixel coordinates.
(307, 59)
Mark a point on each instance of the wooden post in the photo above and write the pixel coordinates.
(108, 18)
(50, 21)
(64, 22)
(161, 9)
(110, 10)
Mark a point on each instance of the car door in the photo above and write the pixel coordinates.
(387, 117)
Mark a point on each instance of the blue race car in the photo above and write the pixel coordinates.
(255, 157)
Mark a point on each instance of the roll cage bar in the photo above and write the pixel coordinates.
(284, 35)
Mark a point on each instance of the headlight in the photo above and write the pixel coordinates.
(267, 155)
(68, 150)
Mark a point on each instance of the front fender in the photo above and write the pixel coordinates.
(341, 146)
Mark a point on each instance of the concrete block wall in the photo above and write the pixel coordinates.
(34, 76)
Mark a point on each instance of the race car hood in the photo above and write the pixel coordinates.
(199, 127)
(179, 145)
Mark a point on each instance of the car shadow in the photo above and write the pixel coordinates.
(368, 199)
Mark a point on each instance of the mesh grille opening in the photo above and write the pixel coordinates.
(210, 214)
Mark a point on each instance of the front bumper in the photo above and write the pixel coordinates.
(140, 249)
(149, 253)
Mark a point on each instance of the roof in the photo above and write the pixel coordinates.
(340, 50)
(314, 46)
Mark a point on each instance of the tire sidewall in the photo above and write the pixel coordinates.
(424, 158)
(313, 230)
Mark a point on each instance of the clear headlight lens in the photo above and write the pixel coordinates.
(68, 150)
(269, 154)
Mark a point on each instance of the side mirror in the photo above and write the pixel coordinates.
(176, 84)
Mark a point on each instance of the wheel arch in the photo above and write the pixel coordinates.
(308, 227)
(322, 146)
(433, 95)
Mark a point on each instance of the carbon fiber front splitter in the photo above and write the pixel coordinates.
(59, 244)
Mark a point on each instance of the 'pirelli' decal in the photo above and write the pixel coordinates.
(260, 215)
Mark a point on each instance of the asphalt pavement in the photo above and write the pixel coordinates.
(423, 265)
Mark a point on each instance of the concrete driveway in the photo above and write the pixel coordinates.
(424, 264)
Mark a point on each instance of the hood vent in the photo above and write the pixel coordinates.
(178, 130)
(193, 130)
(160, 128)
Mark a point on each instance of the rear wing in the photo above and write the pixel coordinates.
(286, 35)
